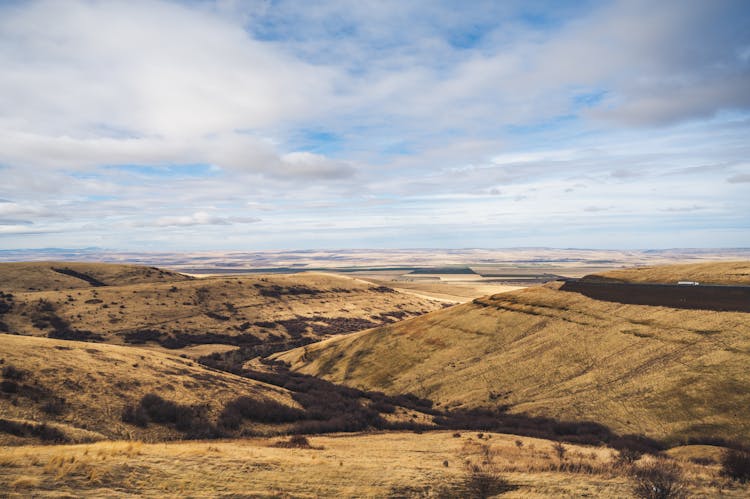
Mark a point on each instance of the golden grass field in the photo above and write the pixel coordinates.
(394, 464)
(97, 380)
(214, 310)
(737, 273)
(451, 291)
(41, 276)
(666, 373)
(669, 374)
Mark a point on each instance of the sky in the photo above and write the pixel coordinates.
(238, 125)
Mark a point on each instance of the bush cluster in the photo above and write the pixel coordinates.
(658, 480)
(735, 464)
(11, 372)
(42, 431)
(583, 433)
(234, 360)
(217, 316)
(44, 316)
(182, 340)
(191, 420)
(276, 291)
(262, 410)
(6, 302)
(295, 442)
(18, 383)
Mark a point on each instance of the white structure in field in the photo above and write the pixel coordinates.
(687, 283)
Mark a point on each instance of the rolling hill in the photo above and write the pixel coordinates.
(81, 390)
(50, 276)
(62, 391)
(170, 311)
(735, 273)
(666, 373)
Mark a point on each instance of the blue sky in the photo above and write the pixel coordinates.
(202, 125)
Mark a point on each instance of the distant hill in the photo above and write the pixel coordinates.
(662, 372)
(737, 273)
(47, 276)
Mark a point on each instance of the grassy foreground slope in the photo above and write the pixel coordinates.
(735, 273)
(47, 276)
(392, 464)
(665, 373)
(82, 388)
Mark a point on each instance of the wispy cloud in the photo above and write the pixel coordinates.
(201, 218)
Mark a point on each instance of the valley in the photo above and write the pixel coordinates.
(113, 376)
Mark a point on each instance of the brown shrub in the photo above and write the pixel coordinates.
(735, 464)
(296, 442)
(658, 480)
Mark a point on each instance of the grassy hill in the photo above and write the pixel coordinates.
(665, 373)
(61, 391)
(82, 389)
(175, 312)
(47, 276)
(736, 273)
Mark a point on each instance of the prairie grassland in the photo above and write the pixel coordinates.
(48, 276)
(366, 465)
(705, 273)
(447, 291)
(227, 310)
(92, 383)
(666, 373)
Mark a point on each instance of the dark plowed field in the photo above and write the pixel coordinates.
(722, 298)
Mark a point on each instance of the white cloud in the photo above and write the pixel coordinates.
(201, 218)
(389, 116)
(147, 68)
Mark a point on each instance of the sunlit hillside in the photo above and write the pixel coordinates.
(666, 373)
(44, 276)
(737, 273)
(265, 312)
(82, 390)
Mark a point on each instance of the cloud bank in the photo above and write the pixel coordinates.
(221, 124)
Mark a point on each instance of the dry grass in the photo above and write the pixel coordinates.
(214, 310)
(451, 291)
(665, 373)
(367, 465)
(98, 380)
(24, 482)
(705, 273)
(41, 276)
